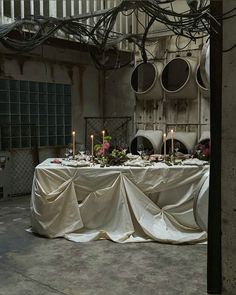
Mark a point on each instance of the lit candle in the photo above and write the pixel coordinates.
(73, 144)
(164, 141)
(92, 145)
(172, 141)
(103, 136)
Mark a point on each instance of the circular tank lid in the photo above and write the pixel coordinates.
(199, 79)
(188, 139)
(147, 145)
(143, 77)
(205, 64)
(178, 146)
(175, 74)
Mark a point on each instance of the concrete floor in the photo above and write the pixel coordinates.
(34, 265)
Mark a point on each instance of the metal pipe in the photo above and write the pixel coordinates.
(22, 8)
(199, 105)
(121, 28)
(72, 8)
(115, 25)
(53, 8)
(32, 7)
(95, 9)
(41, 7)
(88, 10)
(80, 7)
(64, 8)
(12, 10)
(2, 11)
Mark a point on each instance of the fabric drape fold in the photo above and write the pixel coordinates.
(123, 204)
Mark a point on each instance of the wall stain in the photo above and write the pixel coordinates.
(2, 68)
(101, 90)
(70, 73)
(21, 62)
(80, 85)
(52, 73)
(51, 63)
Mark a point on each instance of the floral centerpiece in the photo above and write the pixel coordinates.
(106, 155)
(203, 151)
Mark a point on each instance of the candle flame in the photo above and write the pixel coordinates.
(92, 136)
(73, 133)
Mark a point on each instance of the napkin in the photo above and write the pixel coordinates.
(83, 163)
(74, 163)
(194, 161)
(132, 157)
(137, 163)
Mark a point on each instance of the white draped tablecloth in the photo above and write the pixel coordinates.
(123, 204)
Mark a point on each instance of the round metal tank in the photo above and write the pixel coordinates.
(151, 140)
(145, 80)
(200, 82)
(205, 65)
(177, 78)
(205, 136)
(183, 141)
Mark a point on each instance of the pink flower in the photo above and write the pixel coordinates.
(201, 147)
(106, 145)
(206, 152)
(101, 152)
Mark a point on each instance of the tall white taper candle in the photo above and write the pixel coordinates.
(164, 142)
(103, 136)
(172, 141)
(73, 143)
(92, 137)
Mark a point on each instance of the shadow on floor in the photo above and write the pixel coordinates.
(34, 265)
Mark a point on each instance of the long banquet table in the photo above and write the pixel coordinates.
(123, 204)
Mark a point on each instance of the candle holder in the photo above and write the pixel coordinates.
(92, 161)
(172, 158)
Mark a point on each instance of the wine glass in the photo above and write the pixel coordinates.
(124, 146)
(67, 153)
(140, 149)
(176, 150)
(82, 149)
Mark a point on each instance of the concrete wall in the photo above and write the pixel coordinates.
(55, 65)
(228, 181)
(120, 99)
(60, 65)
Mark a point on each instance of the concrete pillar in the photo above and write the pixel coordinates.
(228, 165)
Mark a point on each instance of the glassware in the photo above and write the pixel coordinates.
(176, 150)
(140, 149)
(124, 146)
(67, 153)
(82, 149)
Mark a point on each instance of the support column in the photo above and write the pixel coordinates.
(228, 165)
(214, 277)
